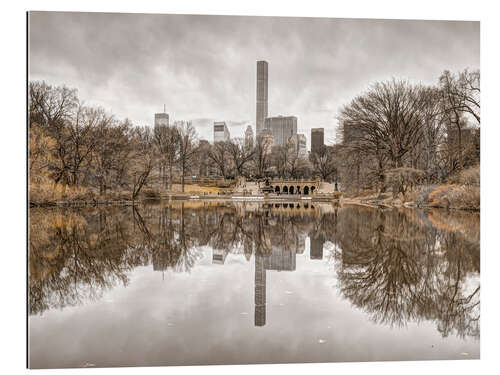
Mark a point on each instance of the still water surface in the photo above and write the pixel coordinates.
(199, 283)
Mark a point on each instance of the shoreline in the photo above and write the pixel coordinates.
(407, 205)
(278, 199)
(191, 198)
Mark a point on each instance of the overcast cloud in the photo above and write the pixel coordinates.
(203, 68)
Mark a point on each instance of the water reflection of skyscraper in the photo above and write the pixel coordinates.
(300, 243)
(280, 259)
(316, 250)
(219, 256)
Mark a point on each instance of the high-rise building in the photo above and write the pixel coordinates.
(261, 96)
(221, 132)
(300, 243)
(249, 137)
(266, 140)
(282, 128)
(316, 247)
(317, 139)
(161, 119)
(219, 256)
(299, 144)
(281, 259)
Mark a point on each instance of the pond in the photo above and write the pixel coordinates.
(192, 283)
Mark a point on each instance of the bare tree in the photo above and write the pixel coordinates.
(389, 118)
(262, 156)
(297, 166)
(51, 106)
(386, 125)
(324, 162)
(78, 141)
(279, 159)
(187, 147)
(167, 141)
(460, 99)
(142, 163)
(218, 154)
(239, 154)
(112, 153)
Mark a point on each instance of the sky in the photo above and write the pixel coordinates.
(203, 68)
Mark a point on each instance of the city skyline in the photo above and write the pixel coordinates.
(308, 78)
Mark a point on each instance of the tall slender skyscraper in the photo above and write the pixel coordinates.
(260, 291)
(261, 96)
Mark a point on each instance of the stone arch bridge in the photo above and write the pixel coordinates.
(292, 187)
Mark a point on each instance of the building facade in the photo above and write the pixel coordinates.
(249, 137)
(299, 144)
(282, 128)
(267, 140)
(316, 246)
(221, 132)
(261, 110)
(317, 139)
(161, 119)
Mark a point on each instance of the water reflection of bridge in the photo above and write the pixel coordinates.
(288, 209)
(292, 187)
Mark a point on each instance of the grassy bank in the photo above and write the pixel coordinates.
(460, 192)
(50, 194)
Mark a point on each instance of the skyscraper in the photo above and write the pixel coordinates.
(221, 132)
(299, 144)
(161, 119)
(261, 96)
(317, 139)
(282, 128)
(266, 140)
(249, 137)
(316, 246)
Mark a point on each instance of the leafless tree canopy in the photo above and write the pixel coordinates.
(396, 124)
(433, 130)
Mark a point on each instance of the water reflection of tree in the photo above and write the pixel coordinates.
(398, 268)
(77, 255)
(73, 258)
(168, 235)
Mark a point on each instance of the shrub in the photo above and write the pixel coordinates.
(468, 177)
(403, 179)
(150, 193)
(455, 197)
(45, 191)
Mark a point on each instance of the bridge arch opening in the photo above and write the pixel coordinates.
(306, 190)
(285, 189)
(290, 190)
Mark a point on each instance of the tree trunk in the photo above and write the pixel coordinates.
(171, 178)
(459, 147)
(357, 177)
(182, 178)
